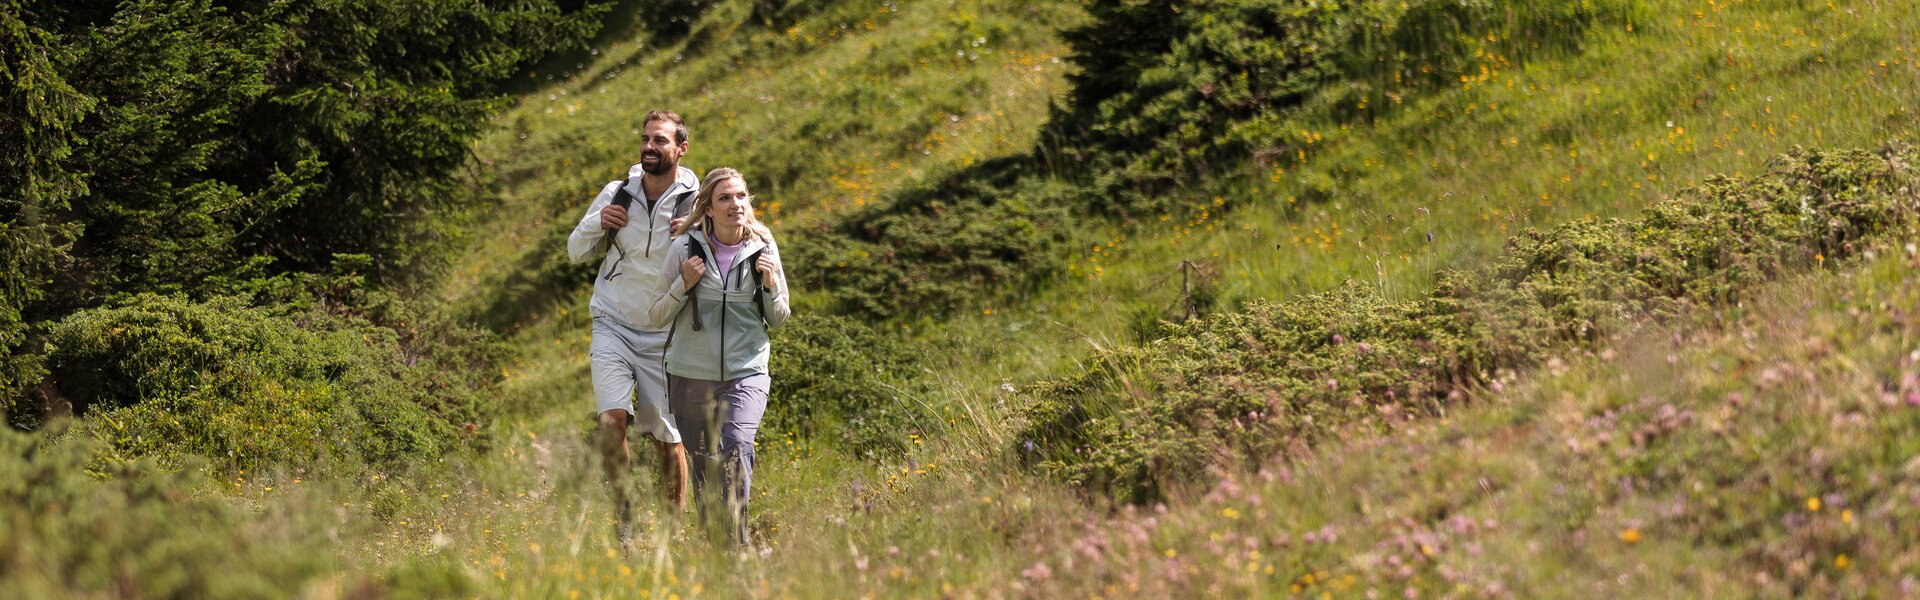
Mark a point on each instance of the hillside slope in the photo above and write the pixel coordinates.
(1746, 428)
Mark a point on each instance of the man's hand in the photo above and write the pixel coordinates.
(692, 270)
(613, 217)
(675, 223)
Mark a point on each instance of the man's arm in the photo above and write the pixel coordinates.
(587, 239)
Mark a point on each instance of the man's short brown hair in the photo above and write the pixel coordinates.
(679, 126)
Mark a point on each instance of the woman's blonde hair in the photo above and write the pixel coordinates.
(704, 202)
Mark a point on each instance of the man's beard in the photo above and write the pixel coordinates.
(660, 165)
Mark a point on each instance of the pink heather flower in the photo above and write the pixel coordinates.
(1037, 572)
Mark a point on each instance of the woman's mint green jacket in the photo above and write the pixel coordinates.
(735, 315)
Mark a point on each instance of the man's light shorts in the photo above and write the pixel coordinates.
(625, 361)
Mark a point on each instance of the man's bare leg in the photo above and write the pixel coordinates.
(673, 473)
(616, 457)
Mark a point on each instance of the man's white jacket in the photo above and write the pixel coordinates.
(635, 261)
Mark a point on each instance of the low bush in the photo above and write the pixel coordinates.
(992, 229)
(245, 386)
(141, 531)
(1247, 386)
(836, 378)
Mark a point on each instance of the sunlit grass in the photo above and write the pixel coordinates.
(1700, 88)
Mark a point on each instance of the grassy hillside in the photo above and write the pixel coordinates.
(1709, 443)
(1535, 140)
(827, 115)
(1764, 449)
(1690, 89)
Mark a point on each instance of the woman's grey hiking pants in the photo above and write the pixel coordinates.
(718, 421)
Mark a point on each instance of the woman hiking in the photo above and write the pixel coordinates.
(729, 292)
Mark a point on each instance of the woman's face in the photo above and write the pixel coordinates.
(731, 205)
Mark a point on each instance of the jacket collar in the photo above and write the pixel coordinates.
(751, 246)
(683, 181)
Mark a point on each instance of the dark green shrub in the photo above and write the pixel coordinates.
(983, 233)
(837, 378)
(1169, 89)
(1247, 386)
(163, 376)
(428, 578)
(140, 531)
(1244, 384)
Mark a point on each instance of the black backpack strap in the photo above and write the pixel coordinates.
(695, 249)
(759, 287)
(623, 199)
(680, 204)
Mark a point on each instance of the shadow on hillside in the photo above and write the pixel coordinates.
(540, 279)
(620, 23)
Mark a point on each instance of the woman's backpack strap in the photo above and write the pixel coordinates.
(759, 287)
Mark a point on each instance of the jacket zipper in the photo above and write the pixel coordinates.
(723, 328)
(653, 215)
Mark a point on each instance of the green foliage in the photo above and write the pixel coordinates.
(1167, 90)
(1236, 386)
(168, 82)
(386, 99)
(822, 117)
(229, 142)
(162, 376)
(35, 139)
(141, 531)
(992, 228)
(838, 379)
(424, 579)
(236, 148)
(1247, 386)
(541, 277)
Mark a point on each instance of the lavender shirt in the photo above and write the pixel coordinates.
(724, 254)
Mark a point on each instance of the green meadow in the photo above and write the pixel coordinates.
(1446, 298)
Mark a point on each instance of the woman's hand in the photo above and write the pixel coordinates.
(691, 270)
(769, 270)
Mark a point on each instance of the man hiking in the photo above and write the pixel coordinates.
(628, 222)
